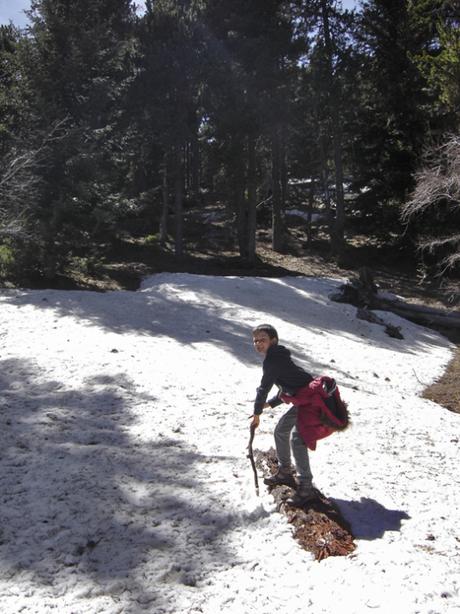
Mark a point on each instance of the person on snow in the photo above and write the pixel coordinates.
(316, 412)
(279, 369)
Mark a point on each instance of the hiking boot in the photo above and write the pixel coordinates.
(281, 477)
(302, 496)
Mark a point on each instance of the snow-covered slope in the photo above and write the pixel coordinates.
(125, 485)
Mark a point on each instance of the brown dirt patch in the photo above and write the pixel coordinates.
(446, 391)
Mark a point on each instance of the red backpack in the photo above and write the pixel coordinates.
(321, 410)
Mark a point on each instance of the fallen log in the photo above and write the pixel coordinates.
(363, 293)
(319, 527)
(429, 316)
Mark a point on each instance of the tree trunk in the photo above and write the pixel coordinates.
(252, 200)
(324, 173)
(311, 196)
(195, 166)
(429, 316)
(50, 230)
(165, 198)
(241, 213)
(187, 166)
(239, 199)
(364, 293)
(283, 170)
(337, 239)
(319, 526)
(178, 201)
(277, 219)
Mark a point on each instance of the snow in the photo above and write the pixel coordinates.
(125, 485)
(314, 218)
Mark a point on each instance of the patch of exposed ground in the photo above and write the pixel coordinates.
(446, 391)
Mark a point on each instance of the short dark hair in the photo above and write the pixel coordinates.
(266, 328)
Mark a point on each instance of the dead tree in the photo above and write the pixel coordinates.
(437, 196)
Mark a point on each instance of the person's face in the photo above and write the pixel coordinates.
(262, 342)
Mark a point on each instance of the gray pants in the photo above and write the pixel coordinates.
(287, 437)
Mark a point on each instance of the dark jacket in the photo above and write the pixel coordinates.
(279, 369)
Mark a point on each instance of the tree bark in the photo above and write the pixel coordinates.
(277, 219)
(252, 199)
(337, 238)
(311, 195)
(178, 201)
(319, 527)
(419, 314)
(195, 165)
(363, 293)
(325, 182)
(283, 170)
(165, 201)
(239, 198)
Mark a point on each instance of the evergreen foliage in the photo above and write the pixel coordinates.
(107, 116)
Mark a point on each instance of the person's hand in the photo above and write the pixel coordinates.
(255, 421)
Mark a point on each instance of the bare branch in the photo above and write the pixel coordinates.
(29, 159)
(434, 243)
(438, 182)
(437, 193)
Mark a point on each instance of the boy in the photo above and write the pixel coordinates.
(279, 369)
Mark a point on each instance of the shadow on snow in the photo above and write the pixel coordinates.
(82, 500)
(369, 519)
(193, 309)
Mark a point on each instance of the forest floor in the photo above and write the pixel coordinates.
(132, 258)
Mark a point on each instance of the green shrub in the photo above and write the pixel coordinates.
(151, 239)
(7, 260)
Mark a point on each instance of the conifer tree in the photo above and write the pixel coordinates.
(18, 156)
(440, 60)
(166, 106)
(248, 98)
(326, 29)
(78, 65)
(394, 117)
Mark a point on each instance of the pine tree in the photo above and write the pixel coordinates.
(440, 60)
(247, 103)
(19, 157)
(11, 100)
(78, 66)
(321, 99)
(166, 104)
(394, 118)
